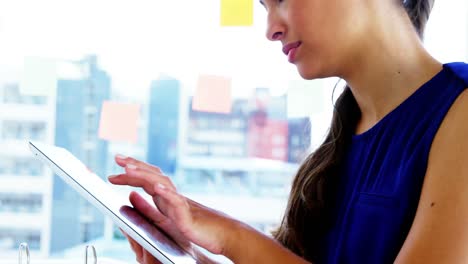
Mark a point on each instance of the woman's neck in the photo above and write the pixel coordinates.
(392, 66)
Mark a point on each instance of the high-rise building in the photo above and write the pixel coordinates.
(163, 124)
(79, 103)
(25, 183)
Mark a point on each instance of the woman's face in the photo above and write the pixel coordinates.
(316, 35)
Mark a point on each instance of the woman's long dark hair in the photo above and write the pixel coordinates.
(314, 186)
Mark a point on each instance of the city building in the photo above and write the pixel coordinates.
(79, 102)
(25, 184)
(217, 135)
(239, 162)
(163, 124)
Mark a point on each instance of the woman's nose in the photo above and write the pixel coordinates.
(276, 36)
(275, 29)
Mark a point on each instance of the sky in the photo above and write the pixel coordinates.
(137, 40)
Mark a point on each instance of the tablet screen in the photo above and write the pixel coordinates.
(102, 195)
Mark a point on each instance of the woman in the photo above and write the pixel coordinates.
(389, 184)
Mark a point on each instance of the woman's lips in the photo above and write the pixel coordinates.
(290, 50)
(292, 55)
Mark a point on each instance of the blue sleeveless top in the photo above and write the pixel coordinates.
(383, 172)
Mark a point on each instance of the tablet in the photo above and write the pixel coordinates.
(108, 201)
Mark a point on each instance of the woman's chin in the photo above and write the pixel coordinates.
(306, 73)
(310, 71)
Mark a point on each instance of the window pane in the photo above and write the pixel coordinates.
(153, 54)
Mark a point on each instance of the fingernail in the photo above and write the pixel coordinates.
(112, 177)
(161, 186)
(120, 156)
(131, 167)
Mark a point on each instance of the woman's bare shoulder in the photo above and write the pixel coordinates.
(439, 233)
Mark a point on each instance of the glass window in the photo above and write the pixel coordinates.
(152, 54)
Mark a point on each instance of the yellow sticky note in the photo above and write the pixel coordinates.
(237, 12)
(119, 121)
(39, 77)
(213, 94)
(305, 98)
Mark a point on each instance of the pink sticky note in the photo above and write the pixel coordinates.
(213, 94)
(119, 121)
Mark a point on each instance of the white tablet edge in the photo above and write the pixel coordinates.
(70, 181)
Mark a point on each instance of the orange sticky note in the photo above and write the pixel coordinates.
(119, 121)
(237, 12)
(213, 94)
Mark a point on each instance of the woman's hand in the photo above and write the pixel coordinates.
(181, 218)
(142, 256)
(188, 222)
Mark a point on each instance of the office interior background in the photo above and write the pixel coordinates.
(218, 109)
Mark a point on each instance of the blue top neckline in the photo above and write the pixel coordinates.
(407, 101)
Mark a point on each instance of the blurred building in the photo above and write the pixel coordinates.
(163, 124)
(271, 134)
(299, 138)
(25, 184)
(79, 102)
(239, 162)
(236, 162)
(218, 135)
(267, 138)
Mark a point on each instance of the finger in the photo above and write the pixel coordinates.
(141, 179)
(149, 259)
(136, 248)
(137, 177)
(145, 208)
(156, 218)
(135, 181)
(174, 206)
(143, 255)
(141, 173)
(124, 161)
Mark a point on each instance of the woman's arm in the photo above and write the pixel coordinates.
(439, 233)
(187, 221)
(246, 245)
